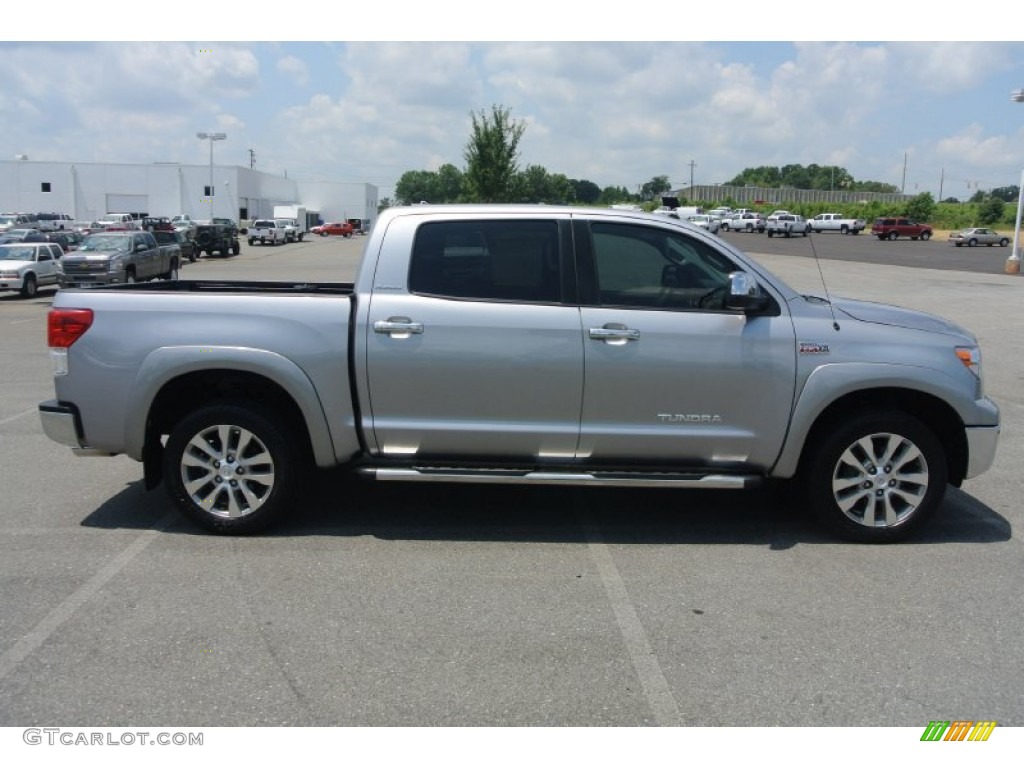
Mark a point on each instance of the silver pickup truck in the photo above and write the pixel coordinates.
(527, 344)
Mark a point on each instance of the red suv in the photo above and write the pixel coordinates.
(892, 228)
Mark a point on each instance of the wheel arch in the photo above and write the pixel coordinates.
(927, 408)
(175, 381)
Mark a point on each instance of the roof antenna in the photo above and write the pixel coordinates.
(817, 261)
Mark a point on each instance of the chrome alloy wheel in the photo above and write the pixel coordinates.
(227, 471)
(880, 480)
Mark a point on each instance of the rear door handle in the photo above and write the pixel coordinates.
(398, 327)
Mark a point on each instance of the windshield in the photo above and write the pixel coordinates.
(105, 243)
(17, 253)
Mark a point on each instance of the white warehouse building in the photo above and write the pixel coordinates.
(86, 191)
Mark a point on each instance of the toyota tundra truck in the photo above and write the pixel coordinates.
(524, 345)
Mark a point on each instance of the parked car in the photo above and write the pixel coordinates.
(891, 228)
(58, 222)
(60, 238)
(343, 228)
(187, 249)
(115, 257)
(704, 220)
(157, 223)
(9, 221)
(26, 266)
(744, 222)
(659, 355)
(23, 236)
(186, 224)
(978, 236)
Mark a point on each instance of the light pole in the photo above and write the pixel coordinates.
(212, 138)
(1013, 263)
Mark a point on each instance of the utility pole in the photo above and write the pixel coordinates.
(692, 166)
(252, 159)
(903, 186)
(942, 180)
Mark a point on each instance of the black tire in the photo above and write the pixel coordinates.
(881, 237)
(232, 468)
(204, 239)
(926, 235)
(972, 242)
(236, 248)
(894, 235)
(301, 235)
(251, 241)
(879, 463)
(1004, 242)
(958, 244)
(129, 276)
(844, 229)
(263, 241)
(29, 287)
(771, 233)
(323, 234)
(192, 256)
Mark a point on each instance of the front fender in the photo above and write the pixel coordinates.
(829, 383)
(165, 364)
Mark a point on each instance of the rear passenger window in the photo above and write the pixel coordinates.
(503, 260)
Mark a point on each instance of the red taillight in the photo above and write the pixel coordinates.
(65, 326)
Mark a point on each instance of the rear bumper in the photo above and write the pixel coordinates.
(62, 424)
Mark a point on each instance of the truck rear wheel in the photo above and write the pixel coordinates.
(876, 478)
(231, 468)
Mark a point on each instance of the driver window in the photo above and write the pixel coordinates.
(649, 267)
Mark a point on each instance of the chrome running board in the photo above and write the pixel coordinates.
(536, 477)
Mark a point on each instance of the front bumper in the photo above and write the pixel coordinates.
(981, 449)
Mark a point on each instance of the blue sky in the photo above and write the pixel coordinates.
(617, 113)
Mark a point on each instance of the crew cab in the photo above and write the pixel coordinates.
(892, 228)
(836, 222)
(523, 345)
(111, 257)
(292, 231)
(267, 232)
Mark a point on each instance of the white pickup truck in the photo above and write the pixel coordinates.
(268, 232)
(538, 345)
(836, 222)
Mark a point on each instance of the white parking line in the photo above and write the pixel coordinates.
(17, 416)
(659, 696)
(42, 631)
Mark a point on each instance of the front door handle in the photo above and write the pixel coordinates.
(614, 333)
(398, 327)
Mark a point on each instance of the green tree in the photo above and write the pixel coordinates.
(656, 187)
(1007, 194)
(492, 154)
(417, 186)
(449, 184)
(585, 191)
(991, 211)
(383, 204)
(921, 207)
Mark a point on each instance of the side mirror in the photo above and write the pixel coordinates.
(745, 293)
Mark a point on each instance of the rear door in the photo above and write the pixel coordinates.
(670, 375)
(476, 351)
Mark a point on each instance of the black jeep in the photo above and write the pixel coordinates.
(218, 238)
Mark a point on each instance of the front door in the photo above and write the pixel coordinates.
(671, 375)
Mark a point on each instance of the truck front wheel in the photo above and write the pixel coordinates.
(231, 468)
(876, 478)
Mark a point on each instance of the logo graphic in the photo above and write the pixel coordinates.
(958, 730)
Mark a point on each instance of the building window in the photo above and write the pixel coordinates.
(46, 186)
(207, 191)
